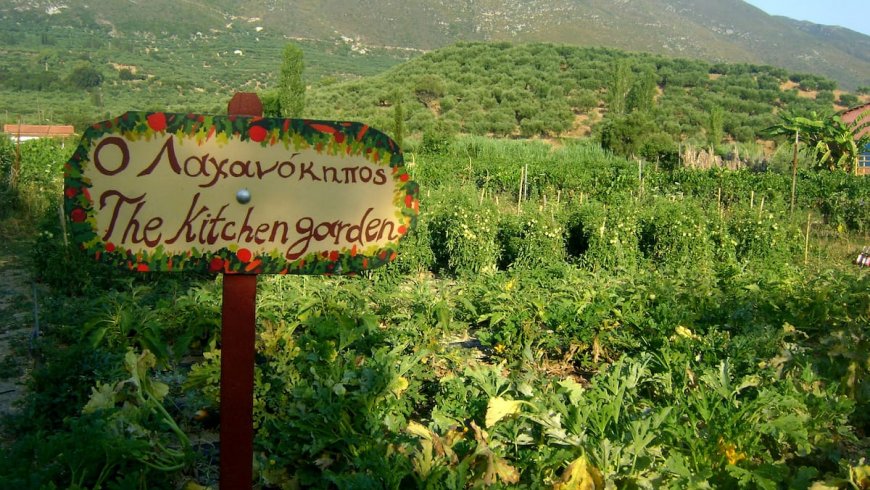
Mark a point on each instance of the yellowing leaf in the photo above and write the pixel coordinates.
(501, 469)
(192, 485)
(573, 388)
(102, 397)
(419, 430)
(860, 476)
(159, 390)
(499, 408)
(685, 332)
(398, 386)
(820, 485)
(580, 475)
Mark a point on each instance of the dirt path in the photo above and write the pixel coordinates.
(16, 318)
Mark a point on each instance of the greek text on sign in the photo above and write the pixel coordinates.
(160, 191)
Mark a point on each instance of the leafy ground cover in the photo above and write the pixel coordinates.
(677, 329)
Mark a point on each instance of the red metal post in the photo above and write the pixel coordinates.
(237, 356)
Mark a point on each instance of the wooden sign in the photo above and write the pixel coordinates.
(171, 192)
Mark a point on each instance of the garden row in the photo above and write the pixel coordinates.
(526, 378)
(643, 327)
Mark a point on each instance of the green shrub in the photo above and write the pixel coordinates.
(675, 233)
(463, 232)
(598, 235)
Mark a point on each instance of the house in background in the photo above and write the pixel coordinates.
(24, 132)
(849, 116)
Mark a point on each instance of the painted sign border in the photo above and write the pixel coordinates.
(329, 137)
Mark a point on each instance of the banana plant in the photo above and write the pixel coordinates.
(834, 143)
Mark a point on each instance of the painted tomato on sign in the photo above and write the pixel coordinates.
(170, 192)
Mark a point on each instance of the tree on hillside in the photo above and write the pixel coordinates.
(641, 96)
(428, 88)
(618, 87)
(636, 135)
(85, 76)
(291, 87)
(715, 126)
(271, 103)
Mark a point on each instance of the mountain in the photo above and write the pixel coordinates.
(712, 30)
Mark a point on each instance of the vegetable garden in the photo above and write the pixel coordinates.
(600, 325)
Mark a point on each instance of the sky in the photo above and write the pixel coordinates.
(852, 14)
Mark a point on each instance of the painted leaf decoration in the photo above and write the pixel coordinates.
(499, 408)
(580, 475)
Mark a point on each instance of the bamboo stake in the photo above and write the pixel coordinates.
(807, 241)
(794, 171)
(640, 177)
(761, 207)
(63, 226)
(16, 165)
(526, 183)
(520, 193)
(751, 199)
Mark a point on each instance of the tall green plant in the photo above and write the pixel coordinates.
(620, 84)
(291, 87)
(715, 126)
(834, 143)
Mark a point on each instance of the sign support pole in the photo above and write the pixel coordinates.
(238, 320)
(237, 381)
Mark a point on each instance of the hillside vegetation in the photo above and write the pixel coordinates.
(499, 89)
(712, 30)
(547, 90)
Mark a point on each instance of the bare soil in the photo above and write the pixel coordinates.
(16, 318)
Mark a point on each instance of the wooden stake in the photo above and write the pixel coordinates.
(520, 193)
(794, 171)
(63, 226)
(16, 165)
(238, 333)
(640, 177)
(752, 199)
(526, 183)
(807, 240)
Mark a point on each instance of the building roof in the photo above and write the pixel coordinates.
(38, 131)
